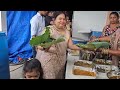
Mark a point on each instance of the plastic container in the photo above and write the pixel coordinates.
(96, 33)
(4, 59)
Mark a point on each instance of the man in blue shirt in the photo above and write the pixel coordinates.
(37, 25)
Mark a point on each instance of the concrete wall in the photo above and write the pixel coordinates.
(3, 21)
(85, 21)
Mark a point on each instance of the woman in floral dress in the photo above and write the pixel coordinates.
(114, 51)
(113, 26)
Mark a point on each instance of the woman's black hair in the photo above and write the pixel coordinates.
(57, 13)
(115, 13)
(31, 64)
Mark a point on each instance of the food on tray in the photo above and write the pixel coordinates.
(100, 70)
(113, 75)
(87, 55)
(108, 62)
(74, 52)
(83, 72)
(103, 69)
(102, 61)
(85, 68)
(99, 61)
(84, 64)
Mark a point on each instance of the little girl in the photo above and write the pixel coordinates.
(32, 69)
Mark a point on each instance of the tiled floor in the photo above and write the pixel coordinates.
(16, 71)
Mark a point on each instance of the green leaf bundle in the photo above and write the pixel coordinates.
(45, 40)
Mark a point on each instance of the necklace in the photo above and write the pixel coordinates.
(62, 32)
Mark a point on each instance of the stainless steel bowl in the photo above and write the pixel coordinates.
(113, 75)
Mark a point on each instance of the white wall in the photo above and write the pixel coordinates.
(84, 21)
(3, 21)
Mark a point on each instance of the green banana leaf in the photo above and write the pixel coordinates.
(45, 40)
(42, 38)
(49, 44)
(86, 46)
(100, 44)
(94, 45)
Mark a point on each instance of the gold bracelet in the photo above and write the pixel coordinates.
(102, 51)
(105, 51)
